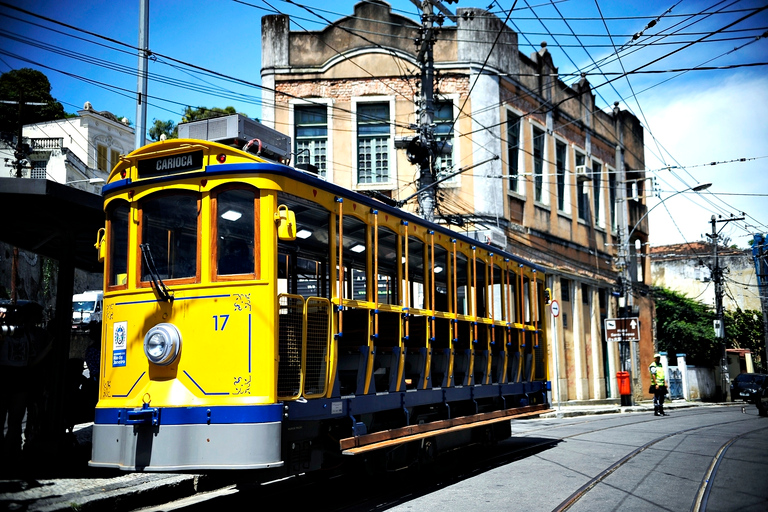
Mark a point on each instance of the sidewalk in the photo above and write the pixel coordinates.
(569, 409)
(74, 486)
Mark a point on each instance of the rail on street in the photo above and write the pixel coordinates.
(700, 457)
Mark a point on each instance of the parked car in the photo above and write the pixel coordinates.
(748, 386)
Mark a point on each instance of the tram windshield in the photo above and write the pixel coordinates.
(169, 227)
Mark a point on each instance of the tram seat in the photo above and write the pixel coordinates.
(513, 367)
(415, 366)
(353, 352)
(461, 360)
(352, 365)
(480, 366)
(385, 369)
(441, 358)
(497, 367)
(528, 368)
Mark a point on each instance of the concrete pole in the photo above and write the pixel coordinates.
(140, 137)
(427, 116)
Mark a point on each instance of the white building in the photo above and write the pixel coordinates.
(79, 151)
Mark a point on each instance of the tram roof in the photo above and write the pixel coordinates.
(311, 179)
(51, 219)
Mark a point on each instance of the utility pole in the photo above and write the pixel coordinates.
(422, 150)
(625, 292)
(717, 277)
(760, 255)
(140, 137)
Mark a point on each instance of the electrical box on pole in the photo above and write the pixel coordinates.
(422, 149)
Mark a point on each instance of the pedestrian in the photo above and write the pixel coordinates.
(658, 385)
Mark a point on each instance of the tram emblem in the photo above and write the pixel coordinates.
(119, 337)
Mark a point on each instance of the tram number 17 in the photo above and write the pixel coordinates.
(220, 320)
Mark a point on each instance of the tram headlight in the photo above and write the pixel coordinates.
(162, 344)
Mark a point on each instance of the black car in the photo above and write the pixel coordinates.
(748, 386)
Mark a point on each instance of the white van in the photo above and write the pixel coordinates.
(86, 308)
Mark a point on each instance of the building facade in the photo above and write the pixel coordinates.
(79, 152)
(549, 176)
(78, 149)
(686, 268)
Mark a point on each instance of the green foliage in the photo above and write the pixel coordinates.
(27, 85)
(167, 128)
(197, 114)
(744, 329)
(685, 326)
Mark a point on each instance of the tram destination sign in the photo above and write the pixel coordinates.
(170, 164)
(622, 329)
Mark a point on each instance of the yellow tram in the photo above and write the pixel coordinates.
(256, 316)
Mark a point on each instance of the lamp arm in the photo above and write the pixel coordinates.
(629, 237)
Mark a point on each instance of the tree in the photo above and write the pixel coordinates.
(686, 326)
(167, 128)
(29, 86)
(197, 114)
(744, 329)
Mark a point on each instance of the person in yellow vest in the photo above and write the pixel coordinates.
(658, 385)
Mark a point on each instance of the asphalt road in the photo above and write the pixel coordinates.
(623, 462)
(704, 458)
(700, 458)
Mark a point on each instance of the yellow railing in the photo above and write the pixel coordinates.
(304, 328)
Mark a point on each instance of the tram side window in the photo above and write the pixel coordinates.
(235, 232)
(416, 273)
(169, 229)
(387, 279)
(481, 288)
(303, 264)
(462, 284)
(512, 292)
(441, 271)
(355, 246)
(527, 301)
(117, 219)
(498, 294)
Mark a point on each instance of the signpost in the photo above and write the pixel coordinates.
(622, 329)
(554, 308)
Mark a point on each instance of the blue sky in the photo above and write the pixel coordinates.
(692, 119)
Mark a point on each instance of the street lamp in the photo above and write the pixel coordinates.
(625, 297)
(697, 188)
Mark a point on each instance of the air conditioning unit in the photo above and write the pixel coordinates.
(237, 130)
(583, 173)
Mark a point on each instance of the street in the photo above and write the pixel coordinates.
(705, 457)
(701, 458)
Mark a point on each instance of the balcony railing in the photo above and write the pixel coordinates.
(47, 143)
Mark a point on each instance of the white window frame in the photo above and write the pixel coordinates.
(328, 102)
(608, 171)
(598, 196)
(566, 196)
(455, 181)
(520, 192)
(392, 157)
(585, 188)
(545, 164)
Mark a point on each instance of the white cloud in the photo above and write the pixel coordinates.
(703, 122)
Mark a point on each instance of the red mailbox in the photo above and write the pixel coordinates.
(623, 378)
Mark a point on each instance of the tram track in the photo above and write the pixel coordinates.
(352, 491)
(700, 503)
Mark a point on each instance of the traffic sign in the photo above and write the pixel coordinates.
(555, 307)
(622, 329)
